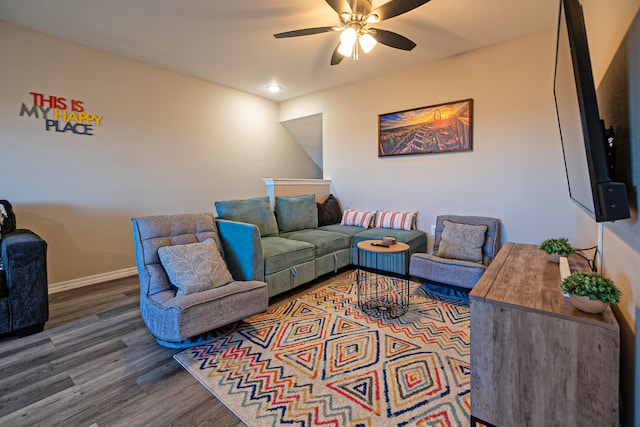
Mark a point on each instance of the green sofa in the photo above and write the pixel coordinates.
(288, 247)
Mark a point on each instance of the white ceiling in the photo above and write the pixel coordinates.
(231, 42)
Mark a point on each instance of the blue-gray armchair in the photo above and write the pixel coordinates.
(180, 315)
(463, 248)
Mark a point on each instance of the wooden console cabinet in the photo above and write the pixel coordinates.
(535, 359)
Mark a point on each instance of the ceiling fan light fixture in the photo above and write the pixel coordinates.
(346, 49)
(367, 42)
(355, 34)
(349, 36)
(347, 41)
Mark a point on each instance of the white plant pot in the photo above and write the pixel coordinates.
(587, 305)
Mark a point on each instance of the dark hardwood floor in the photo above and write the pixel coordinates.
(96, 364)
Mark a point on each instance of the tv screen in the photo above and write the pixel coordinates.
(584, 143)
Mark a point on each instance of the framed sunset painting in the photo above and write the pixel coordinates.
(434, 129)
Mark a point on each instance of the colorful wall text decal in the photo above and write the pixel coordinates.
(59, 115)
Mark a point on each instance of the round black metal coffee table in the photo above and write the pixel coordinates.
(382, 293)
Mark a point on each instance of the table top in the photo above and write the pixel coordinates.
(368, 245)
(520, 276)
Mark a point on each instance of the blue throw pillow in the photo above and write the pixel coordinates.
(255, 211)
(296, 212)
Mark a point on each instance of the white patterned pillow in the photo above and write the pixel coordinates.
(194, 267)
(396, 220)
(358, 218)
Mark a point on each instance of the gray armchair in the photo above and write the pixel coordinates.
(180, 320)
(462, 267)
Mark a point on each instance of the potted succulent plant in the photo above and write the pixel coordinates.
(556, 247)
(590, 292)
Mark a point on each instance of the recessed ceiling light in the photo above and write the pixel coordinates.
(273, 88)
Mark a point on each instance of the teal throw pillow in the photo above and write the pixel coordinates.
(296, 212)
(255, 211)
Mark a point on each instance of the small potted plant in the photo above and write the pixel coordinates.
(590, 292)
(557, 247)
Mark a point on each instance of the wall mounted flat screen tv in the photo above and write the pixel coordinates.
(584, 142)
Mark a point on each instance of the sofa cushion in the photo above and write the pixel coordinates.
(349, 230)
(280, 253)
(396, 220)
(414, 238)
(329, 211)
(296, 212)
(358, 218)
(325, 242)
(255, 211)
(462, 241)
(194, 267)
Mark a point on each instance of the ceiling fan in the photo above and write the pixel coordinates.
(355, 17)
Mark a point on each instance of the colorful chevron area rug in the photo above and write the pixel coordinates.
(320, 361)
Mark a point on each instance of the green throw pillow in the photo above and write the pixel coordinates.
(255, 211)
(194, 267)
(462, 241)
(296, 212)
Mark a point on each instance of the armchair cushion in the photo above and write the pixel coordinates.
(297, 212)
(462, 241)
(253, 211)
(194, 267)
(463, 274)
(153, 232)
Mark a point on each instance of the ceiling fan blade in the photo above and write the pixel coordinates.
(392, 39)
(304, 32)
(395, 8)
(336, 57)
(340, 6)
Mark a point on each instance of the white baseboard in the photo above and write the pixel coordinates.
(91, 280)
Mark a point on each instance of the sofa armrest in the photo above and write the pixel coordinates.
(242, 249)
(24, 258)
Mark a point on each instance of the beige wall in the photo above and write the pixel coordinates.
(607, 27)
(167, 143)
(515, 171)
